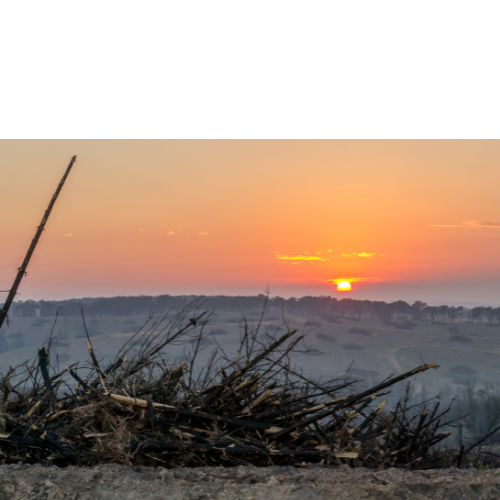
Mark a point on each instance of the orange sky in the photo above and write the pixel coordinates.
(177, 217)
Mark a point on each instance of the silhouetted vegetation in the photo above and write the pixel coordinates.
(460, 338)
(325, 337)
(333, 320)
(330, 309)
(352, 347)
(313, 323)
(360, 331)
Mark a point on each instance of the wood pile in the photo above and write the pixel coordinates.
(250, 408)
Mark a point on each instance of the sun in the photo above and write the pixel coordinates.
(344, 286)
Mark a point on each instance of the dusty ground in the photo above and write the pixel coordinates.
(244, 483)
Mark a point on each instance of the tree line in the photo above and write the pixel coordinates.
(324, 306)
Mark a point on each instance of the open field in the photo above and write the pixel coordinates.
(374, 349)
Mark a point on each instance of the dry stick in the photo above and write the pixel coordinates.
(142, 403)
(82, 382)
(368, 420)
(22, 270)
(353, 399)
(484, 438)
(416, 432)
(259, 400)
(42, 358)
(238, 373)
(330, 392)
(233, 450)
(162, 381)
(89, 344)
(239, 387)
(460, 456)
(140, 363)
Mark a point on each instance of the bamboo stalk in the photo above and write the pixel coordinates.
(21, 272)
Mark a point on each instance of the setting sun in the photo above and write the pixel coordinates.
(344, 286)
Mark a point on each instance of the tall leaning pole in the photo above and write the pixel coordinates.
(21, 271)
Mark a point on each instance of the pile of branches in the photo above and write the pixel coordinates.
(248, 407)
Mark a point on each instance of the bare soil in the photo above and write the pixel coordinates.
(108, 482)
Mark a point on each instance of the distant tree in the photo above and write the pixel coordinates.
(489, 312)
(27, 309)
(454, 313)
(477, 313)
(417, 310)
(403, 309)
(431, 313)
(278, 304)
(442, 312)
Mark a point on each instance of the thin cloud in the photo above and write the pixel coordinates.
(478, 223)
(358, 279)
(299, 257)
(366, 255)
(68, 235)
(470, 223)
(350, 280)
(171, 233)
(201, 233)
(444, 225)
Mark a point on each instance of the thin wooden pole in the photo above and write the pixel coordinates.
(21, 271)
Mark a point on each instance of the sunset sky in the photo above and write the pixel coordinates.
(399, 219)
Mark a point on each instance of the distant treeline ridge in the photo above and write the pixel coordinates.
(308, 306)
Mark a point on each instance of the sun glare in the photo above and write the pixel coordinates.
(344, 286)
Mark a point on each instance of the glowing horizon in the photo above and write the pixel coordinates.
(399, 218)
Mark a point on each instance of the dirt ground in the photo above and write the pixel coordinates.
(244, 483)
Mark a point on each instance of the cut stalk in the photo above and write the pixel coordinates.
(21, 271)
